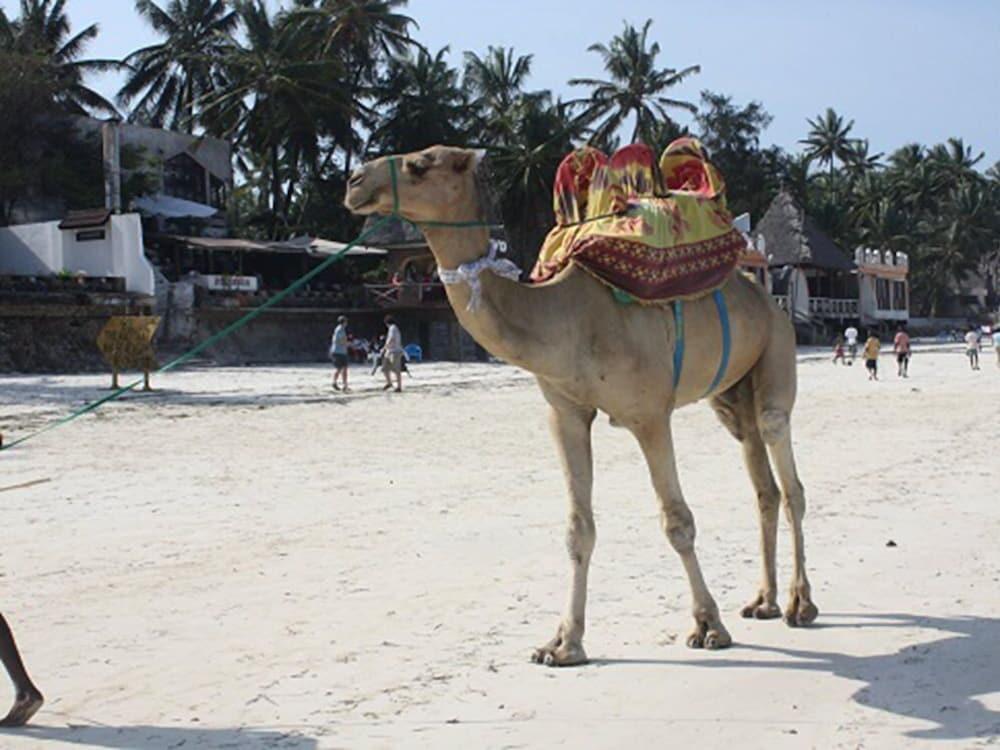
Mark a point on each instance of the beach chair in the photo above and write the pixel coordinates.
(414, 352)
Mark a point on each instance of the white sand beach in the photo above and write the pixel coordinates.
(244, 559)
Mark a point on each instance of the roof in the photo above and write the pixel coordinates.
(91, 217)
(792, 238)
(294, 246)
(173, 208)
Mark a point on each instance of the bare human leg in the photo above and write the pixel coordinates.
(570, 426)
(27, 698)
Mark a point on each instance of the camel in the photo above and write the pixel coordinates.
(590, 354)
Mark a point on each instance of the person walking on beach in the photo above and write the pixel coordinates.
(338, 353)
(851, 335)
(972, 347)
(392, 355)
(996, 341)
(901, 345)
(27, 698)
(838, 351)
(871, 350)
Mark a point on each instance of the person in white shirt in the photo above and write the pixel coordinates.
(972, 347)
(392, 355)
(851, 336)
(996, 341)
(338, 352)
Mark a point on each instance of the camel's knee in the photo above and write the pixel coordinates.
(773, 425)
(678, 525)
(794, 502)
(581, 536)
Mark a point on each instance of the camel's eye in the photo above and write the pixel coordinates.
(418, 166)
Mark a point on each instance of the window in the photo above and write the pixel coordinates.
(882, 300)
(899, 295)
(183, 177)
(219, 192)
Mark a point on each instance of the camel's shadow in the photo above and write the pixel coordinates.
(937, 681)
(165, 738)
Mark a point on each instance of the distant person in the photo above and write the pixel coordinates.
(996, 341)
(972, 347)
(838, 351)
(871, 350)
(851, 336)
(338, 353)
(392, 355)
(27, 698)
(901, 345)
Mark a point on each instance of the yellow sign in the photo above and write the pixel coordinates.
(126, 342)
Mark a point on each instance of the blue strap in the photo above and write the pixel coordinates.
(720, 305)
(679, 343)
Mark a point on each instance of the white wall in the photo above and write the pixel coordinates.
(44, 250)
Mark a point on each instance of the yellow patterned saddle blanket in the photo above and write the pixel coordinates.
(658, 231)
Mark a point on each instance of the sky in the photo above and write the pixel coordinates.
(903, 70)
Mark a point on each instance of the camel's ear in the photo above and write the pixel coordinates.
(463, 160)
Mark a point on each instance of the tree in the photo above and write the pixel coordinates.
(422, 104)
(42, 29)
(166, 80)
(732, 136)
(828, 140)
(635, 87)
(363, 36)
(274, 101)
(52, 161)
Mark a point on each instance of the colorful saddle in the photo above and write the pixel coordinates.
(655, 232)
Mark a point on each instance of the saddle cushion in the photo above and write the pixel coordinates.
(656, 237)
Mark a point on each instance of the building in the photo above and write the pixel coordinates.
(819, 284)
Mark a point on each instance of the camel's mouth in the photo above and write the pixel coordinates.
(360, 204)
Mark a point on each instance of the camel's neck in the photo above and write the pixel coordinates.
(512, 321)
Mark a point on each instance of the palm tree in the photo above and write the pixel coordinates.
(861, 162)
(421, 104)
(828, 140)
(363, 35)
(635, 87)
(274, 101)
(42, 29)
(167, 79)
(496, 81)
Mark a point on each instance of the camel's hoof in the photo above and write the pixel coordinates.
(710, 638)
(759, 609)
(559, 654)
(25, 706)
(800, 611)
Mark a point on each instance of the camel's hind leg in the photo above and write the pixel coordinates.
(571, 428)
(735, 409)
(656, 442)
(774, 387)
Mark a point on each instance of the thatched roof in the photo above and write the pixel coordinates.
(792, 238)
(394, 234)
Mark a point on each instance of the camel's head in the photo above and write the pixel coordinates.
(439, 183)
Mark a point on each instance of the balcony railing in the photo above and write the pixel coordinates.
(824, 307)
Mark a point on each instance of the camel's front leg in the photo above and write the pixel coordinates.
(571, 428)
(678, 523)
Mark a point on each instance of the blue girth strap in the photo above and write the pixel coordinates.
(720, 305)
(727, 342)
(679, 343)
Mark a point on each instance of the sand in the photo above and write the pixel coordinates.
(246, 560)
